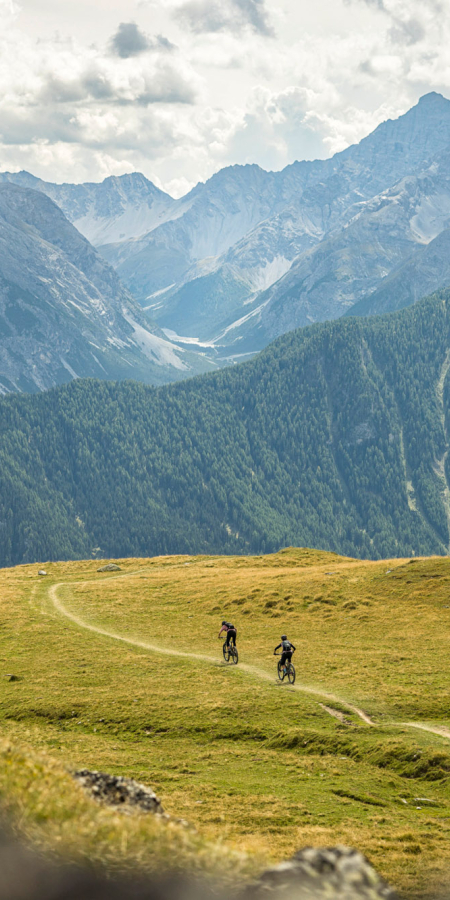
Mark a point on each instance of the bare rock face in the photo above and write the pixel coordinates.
(119, 791)
(63, 311)
(111, 567)
(334, 873)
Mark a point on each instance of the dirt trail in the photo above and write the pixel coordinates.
(243, 667)
(434, 729)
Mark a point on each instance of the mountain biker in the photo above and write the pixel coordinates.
(287, 650)
(230, 632)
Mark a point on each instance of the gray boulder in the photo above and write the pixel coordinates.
(119, 791)
(111, 567)
(334, 873)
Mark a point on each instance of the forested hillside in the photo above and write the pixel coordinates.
(334, 437)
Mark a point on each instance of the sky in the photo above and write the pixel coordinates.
(178, 89)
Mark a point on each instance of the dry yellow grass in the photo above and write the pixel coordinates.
(247, 760)
(50, 809)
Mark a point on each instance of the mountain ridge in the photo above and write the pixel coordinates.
(223, 298)
(63, 311)
(134, 203)
(251, 254)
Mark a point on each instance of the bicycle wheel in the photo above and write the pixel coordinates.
(291, 674)
(281, 672)
(235, 655)
(226, 652)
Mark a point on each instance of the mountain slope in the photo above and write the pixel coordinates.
(426, 270)
(214, 217)
(353, 263)
(202, 265)
(335, 436)
(340, 227)
(63, 310)
(115, 209)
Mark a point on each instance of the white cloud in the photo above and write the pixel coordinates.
(218, 87)
(9, 8)
(129, 40)
(225, 15)
(48, 90)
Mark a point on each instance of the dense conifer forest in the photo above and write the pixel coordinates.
(333, 437)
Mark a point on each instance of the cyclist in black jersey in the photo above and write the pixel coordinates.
(287, 650)
(230, 632)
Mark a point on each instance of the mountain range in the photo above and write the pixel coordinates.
(118, 279)
(336, 436)
(250, 254)
(64, 312)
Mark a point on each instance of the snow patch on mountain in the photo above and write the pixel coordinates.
(133, 222)
(179, 339)
(159, 293)
(239, 322)
(251, 254)
(432, 216)
(267, 274)
(68, 368)
(63, 311)
(156, 348)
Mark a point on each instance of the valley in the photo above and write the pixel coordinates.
(63, 311)
(262, 766)
(251, 254)
(225, 416)
(333, 437)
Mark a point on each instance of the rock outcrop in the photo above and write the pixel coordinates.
(334, 873)
(119, 791)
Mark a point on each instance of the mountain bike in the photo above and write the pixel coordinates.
(230, 652)
(287, 670)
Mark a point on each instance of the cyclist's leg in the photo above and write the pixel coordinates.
(284, 657)
(233, 636)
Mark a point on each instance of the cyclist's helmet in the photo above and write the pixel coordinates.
(284, 637)
(224, 623)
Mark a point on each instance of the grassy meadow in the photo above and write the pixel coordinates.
(259, 768)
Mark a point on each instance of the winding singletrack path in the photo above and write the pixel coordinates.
(243, 667)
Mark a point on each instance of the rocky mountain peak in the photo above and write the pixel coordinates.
(418, 134)
(251, 254)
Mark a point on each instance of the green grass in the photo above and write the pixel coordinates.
(252, 763)
(51, 810)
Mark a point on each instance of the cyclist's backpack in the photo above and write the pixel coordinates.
(286, 645)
